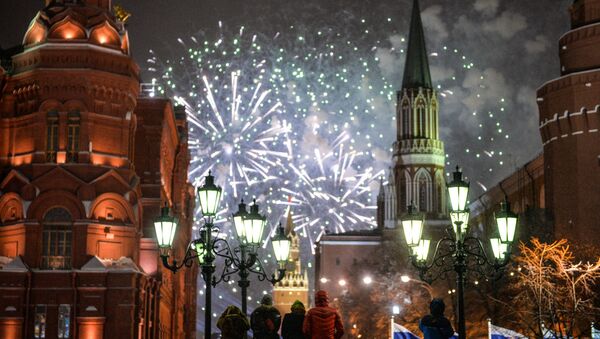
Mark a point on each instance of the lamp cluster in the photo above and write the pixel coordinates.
(249, 229)
(458, 191)
(460, 248)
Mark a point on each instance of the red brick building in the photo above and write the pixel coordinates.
(85, 165)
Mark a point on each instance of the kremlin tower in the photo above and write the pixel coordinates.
(295, 284)
(417, 176)
(569, 123)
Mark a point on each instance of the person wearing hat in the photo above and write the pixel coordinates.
(233, 324)
(291, 327)
(265, 319)
(323, 321)
(435, 325)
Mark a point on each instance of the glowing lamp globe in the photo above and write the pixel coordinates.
(281, 246)
(460, 221)
(165, 226)
(412, 224)
(254, 224)
(506, 221)
(499, 249)
(238, 222)
(458, 190)
(422, 250)
(210, 196)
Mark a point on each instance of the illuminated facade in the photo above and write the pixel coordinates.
(85, 165)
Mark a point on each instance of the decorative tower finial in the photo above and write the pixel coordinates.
(416, 69)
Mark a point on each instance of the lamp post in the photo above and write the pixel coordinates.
(205, 248)
(243, 260)
(458, 251)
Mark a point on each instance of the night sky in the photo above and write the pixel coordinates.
(487, 56)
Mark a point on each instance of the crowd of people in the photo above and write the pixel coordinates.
(320, 322)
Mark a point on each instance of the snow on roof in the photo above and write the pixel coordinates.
(12, 264)
(121, 264)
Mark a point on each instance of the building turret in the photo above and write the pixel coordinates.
(295, 284)
(569, 124)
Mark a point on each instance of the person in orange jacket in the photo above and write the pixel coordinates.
(323, 321)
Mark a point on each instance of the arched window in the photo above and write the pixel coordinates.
(439, 197)
(405, 119)
(52, 136)
(403, 192)
(423, 190)
(422, 194)
(422, 119)
(56, 239)
(73, 136)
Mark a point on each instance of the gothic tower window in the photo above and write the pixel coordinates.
(56, 240)
(422, 194)
(403, 191)
(52, 136)
(423, 190)
(73, 136)
(405, 118)
(421, 118)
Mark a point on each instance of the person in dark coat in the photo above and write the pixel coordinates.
(265, 320)
(291, 328)
(323, 321)
(435, 325)
(233, 323)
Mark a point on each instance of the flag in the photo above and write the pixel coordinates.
(595, 332)
(401, 332)
(549, 334)
(497, 332)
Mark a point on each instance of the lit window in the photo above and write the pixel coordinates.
(56, 237)
(39, 327)
(64, 320)
(73, 137)
(52, 136)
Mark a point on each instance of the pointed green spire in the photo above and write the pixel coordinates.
(416, 69)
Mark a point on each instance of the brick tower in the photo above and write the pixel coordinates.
(77, 197)
(568, 108)
(417, 176)
(295, 284)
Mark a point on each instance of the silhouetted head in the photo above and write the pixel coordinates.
(298, 307)
(321, 298)
(267, 299)
(437, 307)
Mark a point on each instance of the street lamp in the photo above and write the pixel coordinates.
(244, 260)
(463, 251)
(249, 228)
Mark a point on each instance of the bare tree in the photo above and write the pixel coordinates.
(552, 289)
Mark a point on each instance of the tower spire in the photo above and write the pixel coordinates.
(416, 68)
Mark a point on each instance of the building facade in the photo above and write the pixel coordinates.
(295, 284)
(85, 165)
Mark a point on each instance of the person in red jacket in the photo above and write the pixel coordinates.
(322, 321)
